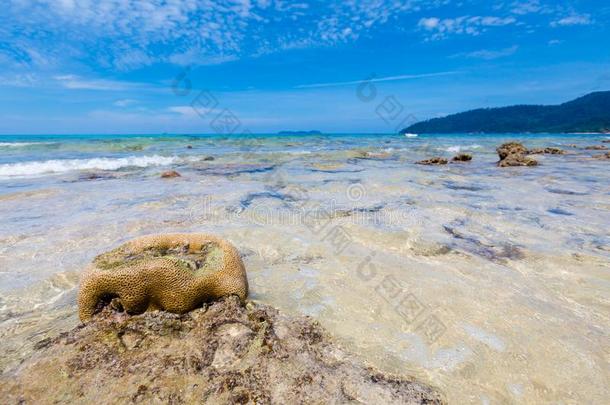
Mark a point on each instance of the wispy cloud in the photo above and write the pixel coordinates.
(574, 19)
(376, 79)
(489, 54)
(75, 82)
(465, 25)
(124, 102)
(526, 7)
(127, 35)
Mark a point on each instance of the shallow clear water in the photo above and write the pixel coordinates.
(492, 284)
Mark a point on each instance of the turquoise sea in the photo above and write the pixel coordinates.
(491, 283)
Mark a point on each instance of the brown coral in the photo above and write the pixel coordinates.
(174, 272)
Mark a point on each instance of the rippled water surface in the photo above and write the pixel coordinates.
(492, 284)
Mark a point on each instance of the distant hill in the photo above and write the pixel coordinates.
(299, 133)
(590, 113)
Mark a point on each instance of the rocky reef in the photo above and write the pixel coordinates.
(433, 161)
(224, 352)
(546, 151)
(596, 147)
(514, 154)
(462, 157)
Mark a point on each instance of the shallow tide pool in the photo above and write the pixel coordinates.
(490, 283)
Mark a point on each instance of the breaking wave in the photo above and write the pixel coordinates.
(60, 166)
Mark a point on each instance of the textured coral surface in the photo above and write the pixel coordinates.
(173, 272)
(222, 353)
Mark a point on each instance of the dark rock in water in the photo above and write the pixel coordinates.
(517, 160)
(233, 169)
(189, 146)
(565, 192)
(596, 147)
(511, 148)
(208, 158)
(514, 154)
(433, 161)
(606, 141)
(170, 174)
(547, 151)
(459, 186)
(96, 176)
(602, 157)
(462, 157)
(222, 353)
(559, 211)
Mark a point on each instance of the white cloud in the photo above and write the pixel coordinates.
(75, 82)
(574, 19)
(489, 54)
(526, 7)
(127, 35)
(19, 80)
(465, 25)
(429, 23)
(125, 102)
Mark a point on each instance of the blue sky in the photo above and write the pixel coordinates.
(117, 66)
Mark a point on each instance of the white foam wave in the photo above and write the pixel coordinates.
(22, 144)
(411, 135)
(60, 166)
(457, 148)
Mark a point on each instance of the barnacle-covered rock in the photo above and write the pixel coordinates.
(433, 161)
(221, 353)
(462, 157)
(173, 272)
(511, 148)
(514, 154)
(546, 151)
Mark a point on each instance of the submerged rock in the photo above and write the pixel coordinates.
(596, 147)
(462, 157)
(547, 151)
(433, 161)
(366, 155)
(170, 174)
(605, 156)
(96, 176)
(221, 353)
(517, 160)
(514, 154)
